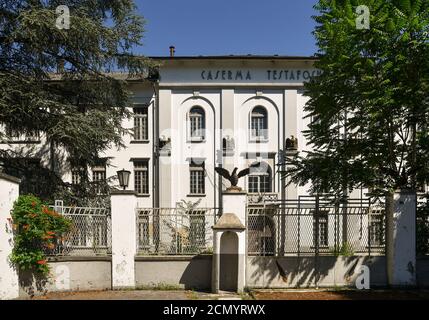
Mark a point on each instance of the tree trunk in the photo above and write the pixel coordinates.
(389, 208)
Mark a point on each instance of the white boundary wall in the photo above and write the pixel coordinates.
(9, 191)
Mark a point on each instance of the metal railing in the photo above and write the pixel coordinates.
(260, 198)
(90, 233)
(175, 231)
(309, 226)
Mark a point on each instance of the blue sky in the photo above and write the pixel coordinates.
(223, 27)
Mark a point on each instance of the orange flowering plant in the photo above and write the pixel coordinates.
(37, 228)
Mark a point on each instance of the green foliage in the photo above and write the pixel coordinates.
(79, 107)
(369, 108)
(36, 229)
(346, 250)
(161, 286)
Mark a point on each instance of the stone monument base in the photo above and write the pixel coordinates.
(234, 189)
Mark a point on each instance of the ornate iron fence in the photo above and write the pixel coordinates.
(175, 231)
(309, 226)
(422, 224)
(90, 233)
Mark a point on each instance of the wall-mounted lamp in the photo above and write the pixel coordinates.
(123, 177)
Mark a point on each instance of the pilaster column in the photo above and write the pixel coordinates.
(124, 242)
(9, 282)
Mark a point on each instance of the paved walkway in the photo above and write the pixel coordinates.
(138, 295)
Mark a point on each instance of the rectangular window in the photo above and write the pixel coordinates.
(76, 175)
(141, 124)
(197, 230)
(258, 130)
(320, 229)
(78, 170)
(259, 183)
(79, 235)
(99, 177)
(144, 229)
(376, 228)
(253, 184)
(99, 231)
(265, 183)
(141, 177)
(197, 178)
(196, 124)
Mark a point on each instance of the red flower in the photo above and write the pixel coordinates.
(50, 233)
(41, 262)
(33, 204)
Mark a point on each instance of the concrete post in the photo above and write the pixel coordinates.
(235, 202)
(124, 243)
(9, 192)
(232, 220)
(401, 238)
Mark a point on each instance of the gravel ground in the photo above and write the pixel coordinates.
(341, 295)
(256, 294)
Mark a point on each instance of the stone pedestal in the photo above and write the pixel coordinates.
(124, 244)
(229, 248)
(401, 238)
(9, 192)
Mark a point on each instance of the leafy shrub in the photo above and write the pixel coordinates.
(37, 228)
(346, 250)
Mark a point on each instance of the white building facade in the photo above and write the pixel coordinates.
(229, 112)
(204, 112)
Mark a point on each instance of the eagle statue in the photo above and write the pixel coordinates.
(233, 176)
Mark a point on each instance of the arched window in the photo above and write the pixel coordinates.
(259, 123)
(197, 124)
(259, 180)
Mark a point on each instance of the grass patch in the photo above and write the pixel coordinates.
(161, 286)
(192, 295)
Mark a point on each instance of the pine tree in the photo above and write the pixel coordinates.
(61, 82)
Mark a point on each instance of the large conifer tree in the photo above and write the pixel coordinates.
(60, 82)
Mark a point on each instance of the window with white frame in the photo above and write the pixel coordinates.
(77, 170)
(320, 229)
(144, 229)
(259, 179)
(197, 124)
(259, 123)
(99, 177)
(197, 178)
(197, 229)
(376, 227)
(141, 177)
(76, 175)
(141, 130)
